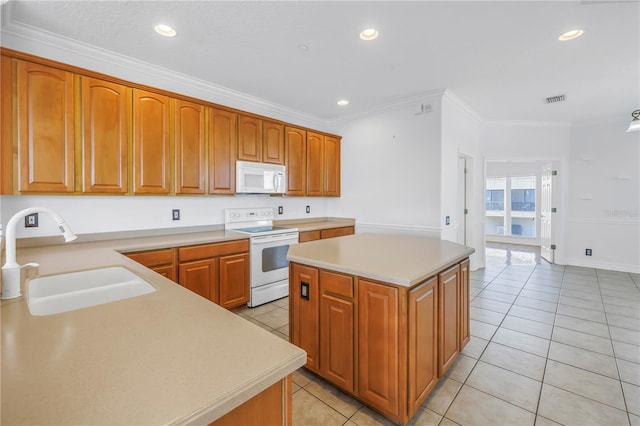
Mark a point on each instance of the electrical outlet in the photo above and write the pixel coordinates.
(31, 220)
(280, 210)
(308, 209)
(587, 252)
(175, 214)
(447, 220)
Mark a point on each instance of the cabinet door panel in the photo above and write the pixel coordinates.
(305, 236)
(234, 280)
(315, 175)
(222, 152)
(303, 327)
(168, 271)
(200, 277)
(337, 232)
(7, 129)
(423, 342)
(45, 125)
(249, 138)
(105, 136)
(336, 339)
(295, 144)
(378, 346)
(150, 143)
(331, 160)
(465, 324)
(272, 142)
(448, 319)
(190, 144)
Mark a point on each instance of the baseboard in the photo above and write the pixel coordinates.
(611, 266)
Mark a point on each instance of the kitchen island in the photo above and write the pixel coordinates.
(168, 357)
(381, 316)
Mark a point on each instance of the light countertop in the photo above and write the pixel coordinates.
(168, 357)
(398, 259)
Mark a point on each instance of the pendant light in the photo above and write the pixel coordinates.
(634, 126)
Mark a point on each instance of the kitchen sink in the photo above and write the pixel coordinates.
(54, 294)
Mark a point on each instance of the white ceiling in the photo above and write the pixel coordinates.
(502, 58)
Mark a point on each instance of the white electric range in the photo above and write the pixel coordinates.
(269, 268)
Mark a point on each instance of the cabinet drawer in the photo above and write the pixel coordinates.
(204, 251)
(338, 284)
(309, 236)
(153, 258)
(337, 232)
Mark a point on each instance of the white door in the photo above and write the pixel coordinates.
(546, 206)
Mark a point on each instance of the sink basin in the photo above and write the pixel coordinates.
(75, 290)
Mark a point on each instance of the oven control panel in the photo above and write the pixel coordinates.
(248, 214)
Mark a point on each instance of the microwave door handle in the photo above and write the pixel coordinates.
(276, 181)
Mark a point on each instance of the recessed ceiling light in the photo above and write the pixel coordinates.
(369, 34)
(165, 30)
(343, 102)
(570, 35)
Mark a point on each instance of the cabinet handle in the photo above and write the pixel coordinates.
(304, 290)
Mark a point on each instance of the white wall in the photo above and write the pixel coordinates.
(461, 136)
(604, 197)
(391, 170)
(96, 214)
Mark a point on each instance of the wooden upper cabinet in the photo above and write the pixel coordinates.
(190, 142)
(222, 151)
(272, 142)
(45, 123)
(150, 143)
(249, 138)
(331, 158)
(105, 136)
(6, 125)
(295, 145)
(315, 172)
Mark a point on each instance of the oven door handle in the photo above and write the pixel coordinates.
(272, 238)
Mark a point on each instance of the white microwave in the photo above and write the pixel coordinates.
(260, 178)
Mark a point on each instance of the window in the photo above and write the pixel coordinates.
(516, 214)
(495, 199)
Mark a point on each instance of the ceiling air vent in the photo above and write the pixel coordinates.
(554, 99)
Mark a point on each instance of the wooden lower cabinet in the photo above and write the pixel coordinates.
(448, 318)
(423, 342)
(465, 320)
(217, 271)
(271, 407)
(337, 232)
(337, 316)
(162, 261)
(303, 313)
(200, 276)
(234, 276)
(384, 344)
(379, 354)
(325, 233)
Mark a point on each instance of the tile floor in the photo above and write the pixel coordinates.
(550, 345)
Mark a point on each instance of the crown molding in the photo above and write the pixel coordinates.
(400, 103)
(41, 43)
(524, 123)
(454, 99)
